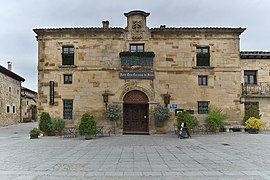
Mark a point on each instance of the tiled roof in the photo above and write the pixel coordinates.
(255, 54)
(198, 29)
(74, 29)
(11, 74)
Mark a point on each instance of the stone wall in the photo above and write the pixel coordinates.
(9, 97)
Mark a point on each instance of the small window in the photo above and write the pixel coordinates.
(137, 48)
(202, 80)
(13, 109)
(27, 102)
(8, 110)
(250, 77)
(203, 107)
(203, 56)
(67, 108)
(68, 55)
(68, 79)
(9, 89)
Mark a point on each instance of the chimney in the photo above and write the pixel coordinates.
(105, 24)
(9, 65)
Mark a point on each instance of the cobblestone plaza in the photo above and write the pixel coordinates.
(215, 156)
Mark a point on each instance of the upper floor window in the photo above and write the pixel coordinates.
(68, 55)
(67, 78)
(203, 56)
(250, 77)
(137, 48)
(202, 80)
(13, 109)
(203, 107)
(8, 110)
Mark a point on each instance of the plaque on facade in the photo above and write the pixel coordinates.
(136, 75)
(51, 92)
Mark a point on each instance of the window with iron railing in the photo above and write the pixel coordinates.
(67, 108)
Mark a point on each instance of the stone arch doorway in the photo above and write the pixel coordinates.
(135, 112)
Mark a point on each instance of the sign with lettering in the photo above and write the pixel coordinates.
(136, 75)
(51, 92)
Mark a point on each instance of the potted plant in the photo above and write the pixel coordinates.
(253, 125)
(161, 114)
(215, 119)
(58, 125)
(45, 123)
(113, 113)
(87, 126)
(34, 133)
(190, 121)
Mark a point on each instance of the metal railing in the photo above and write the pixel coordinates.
(261, 89)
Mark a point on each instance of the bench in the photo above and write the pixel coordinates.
(234, 128)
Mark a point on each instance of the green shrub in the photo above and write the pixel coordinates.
(216, 118)
(252, 111)
(45, 123)
(58, 124)
(88, 124)
(34, 132)
(113, 112)
(190, 121)
(161, 114)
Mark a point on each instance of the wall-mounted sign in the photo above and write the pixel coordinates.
(136, 75)
(51, 92)
(173, 106)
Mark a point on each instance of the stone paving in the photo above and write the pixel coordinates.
(216, 156)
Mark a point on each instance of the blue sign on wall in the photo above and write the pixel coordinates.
(173, 106)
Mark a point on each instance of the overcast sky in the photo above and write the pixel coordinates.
(18, 18)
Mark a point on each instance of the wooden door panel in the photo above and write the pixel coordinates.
(135, 117)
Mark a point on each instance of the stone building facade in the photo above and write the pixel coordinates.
(10, 97)
(138, 67)
(29, 104)
(256, 82)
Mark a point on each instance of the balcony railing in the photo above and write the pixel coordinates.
(261, 89)
(140, 59)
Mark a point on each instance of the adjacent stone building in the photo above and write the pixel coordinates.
(139, 67)
(255, 67)
(29, 104)
(10, 96)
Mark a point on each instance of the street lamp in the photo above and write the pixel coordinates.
(167, 99)
(105, 96)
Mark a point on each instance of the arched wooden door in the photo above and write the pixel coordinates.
(135, 109)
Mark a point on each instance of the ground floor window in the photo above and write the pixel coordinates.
(8, 109)
(203, 107)
(67, 108)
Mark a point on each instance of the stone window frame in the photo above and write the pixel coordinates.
(68, 55)
(202, 80)
(67, 78)
(247, 76)
(203, 107)
(203, 56)
(136, 45)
